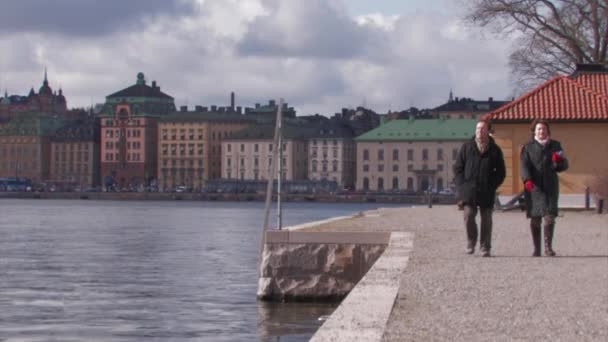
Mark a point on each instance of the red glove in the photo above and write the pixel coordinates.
(557, 158)
(529, 185)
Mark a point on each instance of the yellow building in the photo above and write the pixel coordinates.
(576, 108)
(411, 155)
(190, 144)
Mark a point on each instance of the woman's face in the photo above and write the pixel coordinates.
(540, 131)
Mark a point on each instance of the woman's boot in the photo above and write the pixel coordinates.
(535, 230)
(548, 230)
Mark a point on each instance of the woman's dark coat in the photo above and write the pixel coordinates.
(477, 176)
(536, 165)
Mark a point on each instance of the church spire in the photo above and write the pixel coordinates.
(46, 82)
(451, 98)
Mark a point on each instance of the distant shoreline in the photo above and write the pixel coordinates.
(163, 196)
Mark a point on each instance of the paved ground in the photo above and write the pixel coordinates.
(446, 295)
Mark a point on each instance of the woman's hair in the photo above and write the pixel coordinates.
(539, 121)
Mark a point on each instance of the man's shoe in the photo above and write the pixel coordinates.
(485, 253)
(536, 253)
(470, 250)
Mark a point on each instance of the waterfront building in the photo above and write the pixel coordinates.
(25, 144)
(247, 154)
(129, 134)
(45, 101)
(74, 156)
(576, 107)
(410, 155)
(331, 155)
(190, 150)
(465, 108)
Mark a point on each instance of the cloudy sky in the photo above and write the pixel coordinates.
(319, 55)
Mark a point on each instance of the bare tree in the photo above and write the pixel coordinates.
(553, 35)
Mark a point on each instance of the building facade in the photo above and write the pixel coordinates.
(74, 158)
(25, 147)
(190, 150)
(332, 156)
(248, 154)
(411, 155)
(129, 135)
(576, 107)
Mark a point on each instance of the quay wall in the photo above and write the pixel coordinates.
(316, 266)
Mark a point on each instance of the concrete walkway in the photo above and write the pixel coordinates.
(446, 295)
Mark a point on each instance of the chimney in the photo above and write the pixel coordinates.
(232, 101)
(257, 106)
(239, 109)
(154, 84)
(183, 108)
(205, 109)
(214, 108)
(490, 99)
(271, 103)
(198, 108)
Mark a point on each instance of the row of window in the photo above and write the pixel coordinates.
(63, 156)
(116, 157)
(324, 142)
(396, 185)
(18, 166)
(256, 148)
(129, 122)
(72, 147)
(182, 162)
(410, 167)
(410, 154)
(19, 151)
(110, 145)
(173, 134)
(110, 133)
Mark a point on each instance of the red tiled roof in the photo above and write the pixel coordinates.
(583, 97)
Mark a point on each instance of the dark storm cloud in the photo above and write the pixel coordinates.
(84, 17)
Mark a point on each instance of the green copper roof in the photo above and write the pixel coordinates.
(422, 130)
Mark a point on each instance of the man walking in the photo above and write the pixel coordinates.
(479, 170)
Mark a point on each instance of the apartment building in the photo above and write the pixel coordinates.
(247, 155)
(465, 108)
(74, 159)
(24, 146)
(129, 134)
(411, 155)
(331, 155)
(190, 150)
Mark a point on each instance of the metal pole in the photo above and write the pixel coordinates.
(271, 175)
(587, 199)
(280, 175)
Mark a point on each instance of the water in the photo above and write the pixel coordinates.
(74, 270)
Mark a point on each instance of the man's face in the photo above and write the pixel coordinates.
(481, 130)
(541, 132)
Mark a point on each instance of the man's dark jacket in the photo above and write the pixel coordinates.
(536, 165)
(477, 176)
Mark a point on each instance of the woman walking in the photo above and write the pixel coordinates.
(541, 159)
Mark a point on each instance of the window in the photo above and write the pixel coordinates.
(410, 184)
(380, 184)
(365, 183)
(365, 154)
(410, 167)
(380, 154)
(425, 154)
(395, 154)
(365, 168)
(439, 167)
(165, 149)
(454, 154)
(395, 183)
(380, 167)
(255, 148)
(395, 167)
(410, 155)
(314, 166)
(242, 147)
(229, 148)
(335, 166)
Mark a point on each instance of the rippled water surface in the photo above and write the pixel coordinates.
(133, 271)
